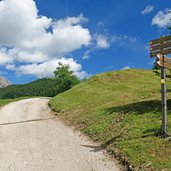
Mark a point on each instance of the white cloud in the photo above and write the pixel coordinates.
(21, 27)
(20, 23)
(82, 74)
(68, 35)
(36, 41)
(100, 24)
(102, 41)
(148, 9)
(86, 55)
(10, 67)
(6, 56)
(47, 68)
(99, 41)
(126, 67)
(129, 42)
(162, 18)
(121, 39)
(125, 41)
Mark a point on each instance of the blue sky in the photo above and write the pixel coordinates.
(100, 35)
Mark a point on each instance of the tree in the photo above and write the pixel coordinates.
(65, 78)
(156, 68)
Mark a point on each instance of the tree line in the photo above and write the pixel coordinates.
(63, 80)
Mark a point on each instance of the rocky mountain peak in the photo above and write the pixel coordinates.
(4, 82)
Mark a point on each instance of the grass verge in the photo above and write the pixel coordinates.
(121, 110)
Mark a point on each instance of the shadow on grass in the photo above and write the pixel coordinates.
(153, 132)
(103, 146)
(168, 90)
(139, 108)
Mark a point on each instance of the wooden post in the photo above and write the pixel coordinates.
(164, 100)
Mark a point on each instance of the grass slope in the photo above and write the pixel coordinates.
(41, 87)
(122, 111)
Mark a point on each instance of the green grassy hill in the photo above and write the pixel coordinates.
(122, 111)
(41, 87)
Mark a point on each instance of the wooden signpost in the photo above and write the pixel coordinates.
(164, 61)
(159, 48)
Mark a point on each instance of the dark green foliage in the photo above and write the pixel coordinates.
(43, 87)
(65, 79)
(156, 69)
(48, 87)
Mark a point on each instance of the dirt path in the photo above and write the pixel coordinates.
(31, 139)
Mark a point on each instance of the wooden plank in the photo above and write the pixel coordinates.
(160, 46)
(163, 52)
(160, 40)
(164, 64)
(163, 58)
(164, 61)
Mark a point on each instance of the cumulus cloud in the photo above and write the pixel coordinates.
(162, 18)
(10, 67)
(28, 38)
(102, 41)
(23, 28)
(126, 67)
(6, 56)
(20, 23)
(47, 68)
(148, 9)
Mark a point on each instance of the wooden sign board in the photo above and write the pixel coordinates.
(161, 40)
(164, 61)
(163, 52)
(160, 46)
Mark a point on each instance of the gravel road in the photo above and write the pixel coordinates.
(32, 139)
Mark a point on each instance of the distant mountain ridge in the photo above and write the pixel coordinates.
(43, 87)
(4, 82)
